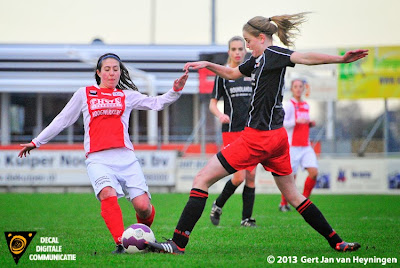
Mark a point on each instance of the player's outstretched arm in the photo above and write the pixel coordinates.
(312, 58)
(222, 71)
(27, 147)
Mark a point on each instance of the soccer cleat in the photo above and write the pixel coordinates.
(344, 246)
(249, 222)
(284, 208)
(165, 247)
(119, 249)
(215, 214)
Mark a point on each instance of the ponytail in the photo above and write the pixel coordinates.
(285, 26)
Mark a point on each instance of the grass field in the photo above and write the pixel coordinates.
(372, 220)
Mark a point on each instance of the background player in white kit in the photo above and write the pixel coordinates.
(297, 123)
(112, 166)
(236, 95)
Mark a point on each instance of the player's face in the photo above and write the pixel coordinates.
(237, 52)
(297, 88)
(253, 43)
(110, 73)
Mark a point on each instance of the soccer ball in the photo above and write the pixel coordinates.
(134, 237)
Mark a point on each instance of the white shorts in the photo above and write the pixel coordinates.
(118, 168)
(302, 156)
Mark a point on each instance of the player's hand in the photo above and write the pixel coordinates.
(354, 55)
(224, 119)
(180, 82)
(27, 148)
(195, 65)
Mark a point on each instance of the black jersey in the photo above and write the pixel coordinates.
(267, 74)
(236, 95)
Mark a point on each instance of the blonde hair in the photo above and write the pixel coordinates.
(235, 38)
(285, 26)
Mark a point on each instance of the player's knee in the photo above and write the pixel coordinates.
(107, 192)
(143, 209)
(238, 178)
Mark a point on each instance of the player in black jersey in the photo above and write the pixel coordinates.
(264, 140)
(236, 95)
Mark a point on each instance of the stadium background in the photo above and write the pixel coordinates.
(44, 61)
(47, 51)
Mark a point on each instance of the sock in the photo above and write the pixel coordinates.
(112, 215)
(227, 192)
(248, 197)
(283, 201)
(313, 216)
(308, 186)
(149, 219)
(189, 217)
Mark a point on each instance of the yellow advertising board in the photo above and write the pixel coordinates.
(376, 76)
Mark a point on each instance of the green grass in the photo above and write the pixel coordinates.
(372, 220)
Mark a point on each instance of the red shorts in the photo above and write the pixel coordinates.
(229, 137)
(269, 148)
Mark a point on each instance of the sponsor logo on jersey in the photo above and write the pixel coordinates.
(118, 94)
(96, 104)
(107, 94)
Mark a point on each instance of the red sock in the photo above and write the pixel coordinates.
(283, 201)
(149, 220)
(112, 215)
(308, 186)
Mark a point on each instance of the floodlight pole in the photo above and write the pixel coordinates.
(385, 128)
(213, 22)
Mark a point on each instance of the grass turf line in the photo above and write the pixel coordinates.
(372, 220)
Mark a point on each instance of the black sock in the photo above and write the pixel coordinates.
(248, 202)
(314, 217)
(228, 191)
(189, 217)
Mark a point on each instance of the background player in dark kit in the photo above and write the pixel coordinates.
(236, 95)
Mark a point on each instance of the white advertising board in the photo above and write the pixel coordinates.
(67, 168)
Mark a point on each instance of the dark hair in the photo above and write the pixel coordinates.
(285, 26)
(125, 81)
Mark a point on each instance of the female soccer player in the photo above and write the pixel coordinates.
(236, 95)
(264, 140)
(111, 163)
(297, 124)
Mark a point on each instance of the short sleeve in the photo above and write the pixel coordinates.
(278, 57)
(247, 66)
(218, 88)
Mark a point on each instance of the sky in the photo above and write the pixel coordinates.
(339, 23)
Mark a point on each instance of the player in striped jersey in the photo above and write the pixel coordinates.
(236, 95)
(112, 166)
(297, 124)
(264, 140)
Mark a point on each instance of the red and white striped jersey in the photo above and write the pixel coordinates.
(298, 134)
(106, 115)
